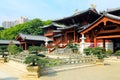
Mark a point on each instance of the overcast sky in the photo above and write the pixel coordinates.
(49, 9)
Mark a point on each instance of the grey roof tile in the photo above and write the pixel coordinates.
(34, 37)
(9, 41)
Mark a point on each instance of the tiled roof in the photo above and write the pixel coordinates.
(104, 14)
(113, 9)
(111, 16)
(54, 24)
(68, 27)
(57, 31)
(79, 13)
(57, 35)
(9, 41)
(34, 37)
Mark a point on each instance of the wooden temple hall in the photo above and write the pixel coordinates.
(87, 28)
(25, 41)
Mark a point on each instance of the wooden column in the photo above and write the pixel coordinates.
(25, 46)
(95, 42)
(104, 44)
(74, 37)
(61, 39)
(65, 37)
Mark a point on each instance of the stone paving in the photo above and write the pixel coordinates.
(109, 71)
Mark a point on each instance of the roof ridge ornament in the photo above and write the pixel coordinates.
(76, 11)
(93, 6)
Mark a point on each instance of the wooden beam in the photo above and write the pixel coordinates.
(103, 19)
(108, 31)
(109, 36)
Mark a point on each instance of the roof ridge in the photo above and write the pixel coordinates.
(30, 34)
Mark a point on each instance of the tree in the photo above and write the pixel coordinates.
(3, 49)
(30, 27)
(13, 49)
(34, 49)
(73, 47)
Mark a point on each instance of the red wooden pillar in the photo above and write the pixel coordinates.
(25, 46)
(104, 44)
(61, 39)
(65, 37)
(74, 36)
(95, 42)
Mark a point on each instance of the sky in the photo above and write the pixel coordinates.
(11, 10)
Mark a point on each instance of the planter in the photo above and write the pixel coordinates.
(33, 71)
(3, 60)
(100, 61)
(118, 57)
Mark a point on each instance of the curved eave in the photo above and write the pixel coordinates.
(77, 14)
(107, 16)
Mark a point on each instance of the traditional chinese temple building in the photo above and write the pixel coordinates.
(31, 40)
(87, 28)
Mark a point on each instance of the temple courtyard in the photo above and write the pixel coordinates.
(109, 71)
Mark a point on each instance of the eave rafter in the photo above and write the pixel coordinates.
(101, 20)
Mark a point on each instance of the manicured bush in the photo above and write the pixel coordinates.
(34, 49)
(3, 49)
(13, 49)
(34, 60)
(98, 51)
(117, 53)
(73, 47)
(108, 52)
(88, 51)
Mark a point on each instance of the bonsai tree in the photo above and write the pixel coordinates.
(108, 52)
(13, 49)
(117, 53)
(99, 52)
(42, 48)
(34, 64)
(3, 49)
(34, 49)
(34, 60)
(73, 47)
(88, 51)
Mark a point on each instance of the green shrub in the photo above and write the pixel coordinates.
(3, 49)
(34, 49)
(13, 49)
(108, 52)
(34, 60)
(117, 53)
(98, 51)
(73, 47)
(88, 51)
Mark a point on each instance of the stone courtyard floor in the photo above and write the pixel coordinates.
(109, 71)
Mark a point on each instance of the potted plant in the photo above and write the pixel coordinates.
(109, 52)
(100, 53)
(13, 49)
(34, 62)
(88, 51)
(73, 47)
(117, 53)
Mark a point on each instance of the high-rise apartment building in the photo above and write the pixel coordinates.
(7, 24)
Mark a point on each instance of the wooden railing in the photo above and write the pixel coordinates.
(59, 63)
